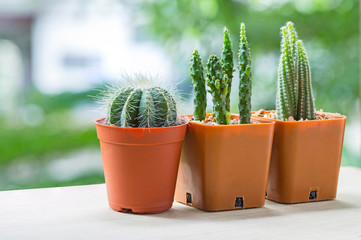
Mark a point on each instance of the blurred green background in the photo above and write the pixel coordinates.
(47, 135)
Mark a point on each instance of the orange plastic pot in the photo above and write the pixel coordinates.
(225, 167)
(305, 160)
(140, 166)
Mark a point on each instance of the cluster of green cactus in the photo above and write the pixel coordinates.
(219, 75)
(218, 83)
(143, 108)
(294, 86)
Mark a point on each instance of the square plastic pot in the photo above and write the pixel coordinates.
(225, 167)
(305, 162)
(140, 166)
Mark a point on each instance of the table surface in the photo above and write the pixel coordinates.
(82, 212)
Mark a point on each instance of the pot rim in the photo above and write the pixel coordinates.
(336, 117)
(99, 121)
(265, 122)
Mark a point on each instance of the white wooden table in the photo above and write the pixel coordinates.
(82, 213)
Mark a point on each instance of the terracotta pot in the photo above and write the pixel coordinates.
(305, 160)
(225, 167)
(140, 166)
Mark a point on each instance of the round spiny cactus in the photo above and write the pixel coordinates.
(141, 106)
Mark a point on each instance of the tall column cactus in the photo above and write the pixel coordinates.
(293, 74)
(286, 80)
(218, 84)
(245, 83)
(306, 107)
(293, 59)
(227, 61)
(199, 87)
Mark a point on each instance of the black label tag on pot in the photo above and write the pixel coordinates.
(239, 202)
(189, 198)
(313, 195)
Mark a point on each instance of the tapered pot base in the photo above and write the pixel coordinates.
(141, 209)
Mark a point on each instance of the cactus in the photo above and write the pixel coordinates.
(115, 109)
(227, 61)
(143, 107)
(245, 83)
(219, 75)
(294, 70)
(129, 113)
(218, 84)
(285, 104)
(199, 86)
(294, 90)
(305, 108)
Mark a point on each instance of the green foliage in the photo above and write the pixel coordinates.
(143, 107)
(199, 86)
(45, 181)
(245, 83)
(56, 134)
(217, 82)
(294, 88)
(227, 62)
(186, 23)
(52, 137)
(51, 103)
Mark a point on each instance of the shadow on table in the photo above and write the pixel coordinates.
(180, 212)
(271, 209)
(184, 212)
(311, 206)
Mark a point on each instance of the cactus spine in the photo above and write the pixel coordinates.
(227, 61)
(148, 108)
(199, 86)
(294, 90)
(218, 84)
(245, 83)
